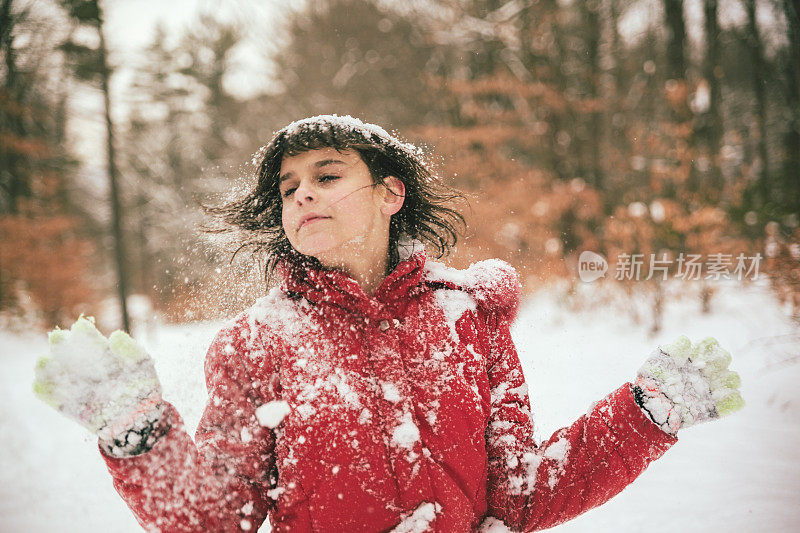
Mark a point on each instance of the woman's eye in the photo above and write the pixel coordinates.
(288, 192)
(328, 177)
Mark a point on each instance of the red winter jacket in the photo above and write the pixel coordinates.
(408, 411)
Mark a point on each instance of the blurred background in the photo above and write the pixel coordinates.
(665, 129)
(617, 126)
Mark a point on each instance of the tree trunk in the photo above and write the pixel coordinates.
(791, 141)
(658, 307)
(676, 40)
(560, 156)
(13, 177)
(765, 185)
(593, 33)
(707, 131)
(713, 75)
(679, 111)
(113, 179)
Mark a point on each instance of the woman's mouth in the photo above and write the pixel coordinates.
(309, 219)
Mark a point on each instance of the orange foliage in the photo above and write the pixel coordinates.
(783, 266)
(29, 147)
(47, 258)
(522, 212)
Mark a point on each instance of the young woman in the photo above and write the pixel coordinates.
(375, 389)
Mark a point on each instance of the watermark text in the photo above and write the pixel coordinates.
(687, 267)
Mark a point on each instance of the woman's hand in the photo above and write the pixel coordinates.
(108, 385)
(683, 384)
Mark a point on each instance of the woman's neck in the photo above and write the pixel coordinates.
(370, 277)
(366, 264)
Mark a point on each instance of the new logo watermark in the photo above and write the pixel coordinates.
(591, 266)
(688, 267)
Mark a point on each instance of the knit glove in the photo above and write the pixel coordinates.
(683, 384)
(109, 386)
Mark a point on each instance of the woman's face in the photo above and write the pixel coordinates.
(331, 207)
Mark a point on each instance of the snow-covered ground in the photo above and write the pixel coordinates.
(738, 474)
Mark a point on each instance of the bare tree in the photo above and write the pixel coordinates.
(93, 65)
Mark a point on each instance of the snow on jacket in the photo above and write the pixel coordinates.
(407, 411)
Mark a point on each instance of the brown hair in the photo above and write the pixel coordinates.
(424, 215)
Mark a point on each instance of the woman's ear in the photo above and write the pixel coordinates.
(394, 195)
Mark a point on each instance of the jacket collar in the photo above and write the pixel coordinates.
(492, 283)
(334, 287)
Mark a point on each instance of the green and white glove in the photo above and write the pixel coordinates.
(683, 384)
(109, 385)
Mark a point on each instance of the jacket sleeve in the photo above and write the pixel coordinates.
(219, 482)
(532, 487)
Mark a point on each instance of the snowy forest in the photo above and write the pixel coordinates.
(615, 126)
(654, 129)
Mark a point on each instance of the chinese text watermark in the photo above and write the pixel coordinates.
(687, 267)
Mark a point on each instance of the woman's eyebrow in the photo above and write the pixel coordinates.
(324, 162)
(319, 164)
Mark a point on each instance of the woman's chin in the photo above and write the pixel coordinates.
(330, 250)
(323, 249)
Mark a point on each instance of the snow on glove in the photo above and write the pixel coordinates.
(109, 385)
(683, 384)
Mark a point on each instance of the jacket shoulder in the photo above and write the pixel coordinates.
(263, 324)
(493, 283)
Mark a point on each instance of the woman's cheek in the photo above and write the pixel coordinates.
(286, 220)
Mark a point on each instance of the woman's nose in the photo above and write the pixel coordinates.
(304, 193)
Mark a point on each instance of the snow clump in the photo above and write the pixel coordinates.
(272, 413)
(418, 520)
